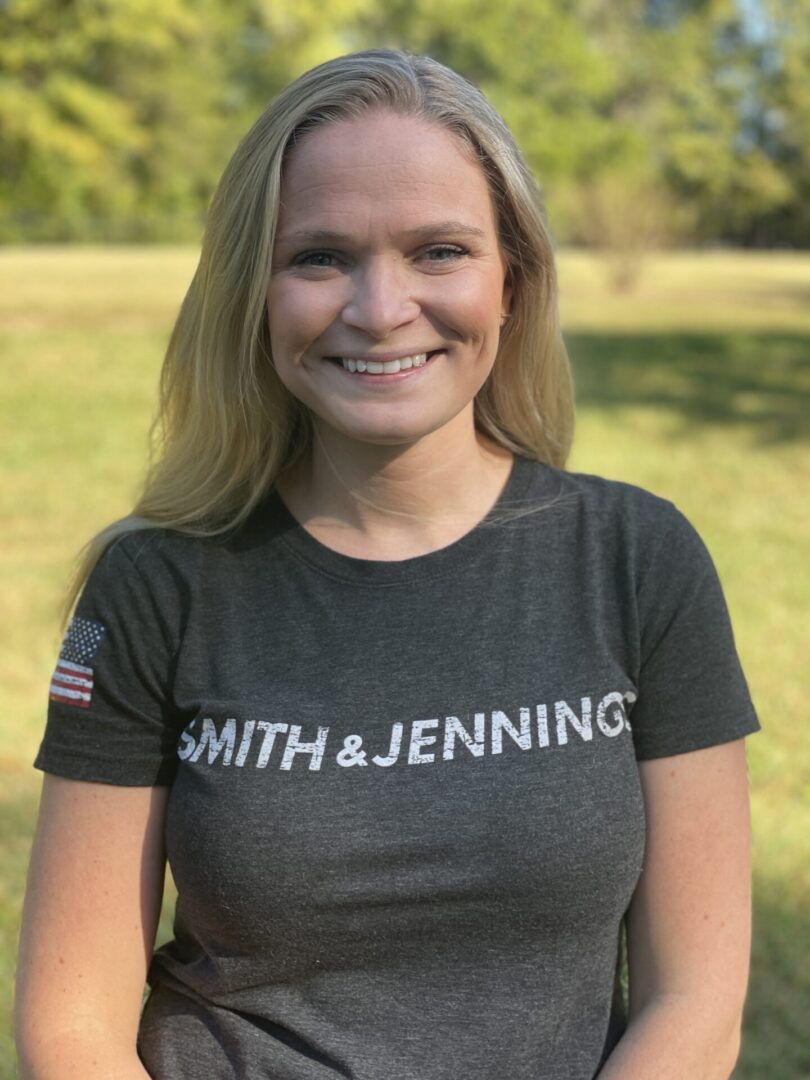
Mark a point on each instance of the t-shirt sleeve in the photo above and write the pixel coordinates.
(111, 713)
(691, 689)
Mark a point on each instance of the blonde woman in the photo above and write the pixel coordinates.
(423, 723)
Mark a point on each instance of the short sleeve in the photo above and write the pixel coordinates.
(691, 689)
(111, 714)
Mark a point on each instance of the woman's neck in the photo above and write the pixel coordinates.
(395, 502)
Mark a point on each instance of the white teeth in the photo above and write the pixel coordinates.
(387, 367)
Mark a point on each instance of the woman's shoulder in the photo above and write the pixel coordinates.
(173, 561)
(603, 498)
(146, 546)
(614, 522)
(145, 564)
(142, 549)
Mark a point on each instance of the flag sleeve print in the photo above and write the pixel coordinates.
(72, 681)
(111, 711)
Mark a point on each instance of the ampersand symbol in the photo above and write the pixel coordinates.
(351, 754)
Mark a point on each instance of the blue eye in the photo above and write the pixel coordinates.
(324, 259)
(445, 252)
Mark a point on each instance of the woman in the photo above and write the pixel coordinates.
(421, 720)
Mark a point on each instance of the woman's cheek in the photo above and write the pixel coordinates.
(297, 318)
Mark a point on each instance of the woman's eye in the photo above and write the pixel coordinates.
(445, 252)
(316, 258)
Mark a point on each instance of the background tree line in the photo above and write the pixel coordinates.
(646, 121)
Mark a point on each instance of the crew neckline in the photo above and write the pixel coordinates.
(400, 571)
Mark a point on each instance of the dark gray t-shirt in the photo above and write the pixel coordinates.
(405, 820)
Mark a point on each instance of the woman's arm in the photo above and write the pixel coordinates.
(689, 921)
(91, 911)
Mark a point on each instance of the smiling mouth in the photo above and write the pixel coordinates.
(369, 366)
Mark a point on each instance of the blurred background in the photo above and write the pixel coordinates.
(671, 139)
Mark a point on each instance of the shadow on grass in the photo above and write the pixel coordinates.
(760, 382)
(19, 798)
(775, 1042)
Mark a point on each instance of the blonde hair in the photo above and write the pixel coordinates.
(226, 426)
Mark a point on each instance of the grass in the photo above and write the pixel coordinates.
(695, 385)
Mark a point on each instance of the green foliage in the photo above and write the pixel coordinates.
(783, 130)
(118, 116)
(111, 119)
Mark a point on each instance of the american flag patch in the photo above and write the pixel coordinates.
(72, 682)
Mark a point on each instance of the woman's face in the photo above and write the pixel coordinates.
(388, 284)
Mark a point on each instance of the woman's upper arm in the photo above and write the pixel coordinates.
(689, 920)
(91, 911)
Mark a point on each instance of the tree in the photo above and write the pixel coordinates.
(780, 124)
(104, 133)
(646, 122)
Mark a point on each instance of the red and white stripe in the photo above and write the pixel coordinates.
(72, 684)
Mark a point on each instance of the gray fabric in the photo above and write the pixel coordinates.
(405, 820)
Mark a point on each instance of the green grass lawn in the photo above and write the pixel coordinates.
(696, 385)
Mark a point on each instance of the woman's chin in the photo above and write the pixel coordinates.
(383, 430)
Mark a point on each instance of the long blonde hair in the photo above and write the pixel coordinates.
(226, 426)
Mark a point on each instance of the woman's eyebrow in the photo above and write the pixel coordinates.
(438, 230)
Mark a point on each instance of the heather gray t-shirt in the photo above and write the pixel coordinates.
(405, 818)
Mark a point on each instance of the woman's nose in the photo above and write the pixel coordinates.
(381, 300)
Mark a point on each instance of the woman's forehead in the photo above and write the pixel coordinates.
(384, 165)
(380, 130)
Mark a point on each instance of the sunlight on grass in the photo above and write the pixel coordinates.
(690, 290)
